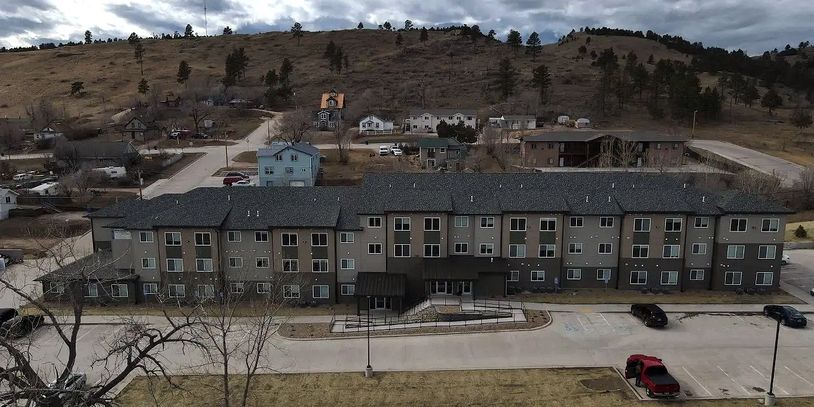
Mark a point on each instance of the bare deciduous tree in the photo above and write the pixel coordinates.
(342, 137)
(294, 127)
(197, 112)
(758, 183)
(11, 136)
(42, 113)
(805, 187)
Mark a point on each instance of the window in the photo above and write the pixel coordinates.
(145, 237)
(766, 252)
(462, 221)
(701, 222)
(261, 262)
(548, 224)
(319, 265)
(517, 224)
(203, 265)
(172, 238)
(764, 278)
(546, 251)
(603, 274)
(118, 291)
(374, 248)
(148, 263)
(291, 265)
(671, 251)
(669, 277)
(175, 265)
(291, 291)
(641, 224)
(606, 248)
(263, 288)
(320, 291)
(672, 225)
(205, 291)
(319, 239)
(537, 275)
(696, 275)
(606, 222)
(374, 222)
(770, 225)
(347, 264)
(150, 288)
(401, 224)
(432, 224)
(432, 250)
(573, 274)
(487, 249)
(203, 239)
(737, 225)
(699, 248)
(347, 289)
(295, 157)
(576, 221)
(487, 222)
(735, 251)
(233, 236)
(641, 251)
(56, 288)
(517, 250)
(92, 291)
(638, 277)
(514, 275)
(236, 288)
(235, 262)
(289, 239)
(176, 290)
(278, 157)
(268, 170)
(461, 248)
(574, 248)
(733, 278)
(346, 237)
(401, 250)
(261, 236)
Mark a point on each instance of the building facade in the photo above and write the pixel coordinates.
(514, 122)
(288, 165)
(371, 124)
(399, 238)
(441, 152)
(8, 201)
(426, 121)
(331, 108)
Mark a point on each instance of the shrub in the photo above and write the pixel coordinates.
(800, 232)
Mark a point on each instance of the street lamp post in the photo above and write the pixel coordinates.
(368, 369)
(770, 399)
(692, 135)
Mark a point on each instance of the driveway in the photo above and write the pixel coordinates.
(788, 171)
(800, 272)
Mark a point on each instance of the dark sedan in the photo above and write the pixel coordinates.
(650, 314)
(787, 316)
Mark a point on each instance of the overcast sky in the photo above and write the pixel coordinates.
(752, 25)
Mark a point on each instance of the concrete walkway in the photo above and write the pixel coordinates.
(788, 171)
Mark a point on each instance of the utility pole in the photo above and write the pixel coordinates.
(206, 26)
(368, 369)
(692, 135)
(140, 183)
(769, 400)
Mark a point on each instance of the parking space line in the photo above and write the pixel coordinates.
(580, 322)
(86, 333)
(798, 376)
(764, 377)
(696, 380)
(604, 319)
(733, 380)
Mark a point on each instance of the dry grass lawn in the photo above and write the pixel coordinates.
(585, 387)
(791, 227)
(611, 296)
(158, 310)
(360, 162)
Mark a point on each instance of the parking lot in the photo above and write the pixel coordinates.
(800, 272)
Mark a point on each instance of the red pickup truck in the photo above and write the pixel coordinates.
(651, 373)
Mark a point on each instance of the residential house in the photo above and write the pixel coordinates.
(398, 238)
(591, 148)
(47, 133)
(91, 154)
(283, 164)
(514, 122)
(8, 201)
(330, 110)
(136, 129)
(426, 120)
(441, 152)
(371, 124)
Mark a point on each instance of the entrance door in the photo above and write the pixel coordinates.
(465, 287)
(381, 303)
(440, 287)
(430, 163)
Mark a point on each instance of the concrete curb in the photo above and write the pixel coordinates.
(798, 245)
(333, 338)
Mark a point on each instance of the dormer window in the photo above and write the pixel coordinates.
(278, 157)
(332, 102)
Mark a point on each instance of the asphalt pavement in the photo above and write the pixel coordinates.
(788, 171)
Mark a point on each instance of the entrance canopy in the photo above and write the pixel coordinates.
(380, 285)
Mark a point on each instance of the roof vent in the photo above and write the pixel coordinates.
(248, 212)
(634, 186)
(613, 185)
(228, 197)
(521, 186)
(609, 198)
(414, 185)
(471, 198)
(258, 214)
(390, 185)
(685, 186)
(586, 198)
(704, 199)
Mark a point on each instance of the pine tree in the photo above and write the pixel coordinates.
(296, 32)
(88, 37)
(143, 86)
(424, 36)
(408, 25)
(801, 119)
(771, 100)
(227, 30)
(506, 78)
(491, 34)
(138, 54)
(541, 79)
(183, 72)
(387, 26)
(360, 26)
(533, 45)
(188, 32)
(133, 39)
(514, 40)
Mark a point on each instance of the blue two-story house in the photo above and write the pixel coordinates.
(284, 165)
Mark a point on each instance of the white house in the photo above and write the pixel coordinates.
(112, 172)
(46, 189)
(563, 120)
(514, 122)
(47, 133)
(8, 201)
(374, 125)
(582, 123)
(426, 120)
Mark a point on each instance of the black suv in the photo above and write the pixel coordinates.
(650, 314)
(787, 316)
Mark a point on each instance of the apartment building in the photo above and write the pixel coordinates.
(398, 238)
(427, 120)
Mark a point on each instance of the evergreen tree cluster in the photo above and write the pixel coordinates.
(235, 68)
(335, 57)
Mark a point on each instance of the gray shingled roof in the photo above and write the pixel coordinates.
(588, 135)
(99, 266)
(443, 112)
(279, 147)
(436, 142)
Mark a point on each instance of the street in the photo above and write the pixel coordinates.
(787, 171)
(799, 272)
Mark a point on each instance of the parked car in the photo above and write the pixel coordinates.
(384, 150)
(650, 314)
(7, 314)
(785, 260)
(230, 180)
(650, 372)
(237, 174)
(788, 316)
(811, 292)
(243, 183)
(396, 151)
(20, 326)
(200, 135)
(66, 393)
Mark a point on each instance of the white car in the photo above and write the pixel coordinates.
(396, 151)
(384, 150)
(243, 183)
(785, 260)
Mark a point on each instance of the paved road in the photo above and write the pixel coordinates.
(788, 171)
(800, 272)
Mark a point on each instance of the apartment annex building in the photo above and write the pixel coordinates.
(398, 238)
(427, 120)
